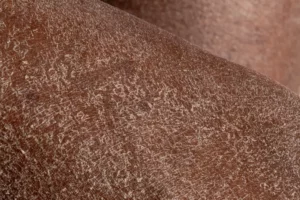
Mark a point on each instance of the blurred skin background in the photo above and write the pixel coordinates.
(260, 34)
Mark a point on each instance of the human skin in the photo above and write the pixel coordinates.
(97, 104)
(260, 34)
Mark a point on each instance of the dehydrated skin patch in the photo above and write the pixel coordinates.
(96, 104)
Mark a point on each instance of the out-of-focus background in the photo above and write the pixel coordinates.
(261, 34)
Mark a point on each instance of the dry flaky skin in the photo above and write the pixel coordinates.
(96, 104)
(260, 34)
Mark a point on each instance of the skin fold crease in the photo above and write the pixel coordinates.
(259, 34)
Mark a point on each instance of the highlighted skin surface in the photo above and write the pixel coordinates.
(260, 34)
(97, 104)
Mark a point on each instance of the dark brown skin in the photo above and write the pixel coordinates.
(260, 34)
(97, 104)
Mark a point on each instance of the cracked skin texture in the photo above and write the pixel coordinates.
(97, 104)
(260, 34)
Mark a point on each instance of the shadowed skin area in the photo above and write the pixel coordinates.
(260, 34)
(97, 104)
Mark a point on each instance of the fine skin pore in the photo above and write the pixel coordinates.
(260, 34)
(97, 104)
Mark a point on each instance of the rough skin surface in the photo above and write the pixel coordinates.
(96, 104)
